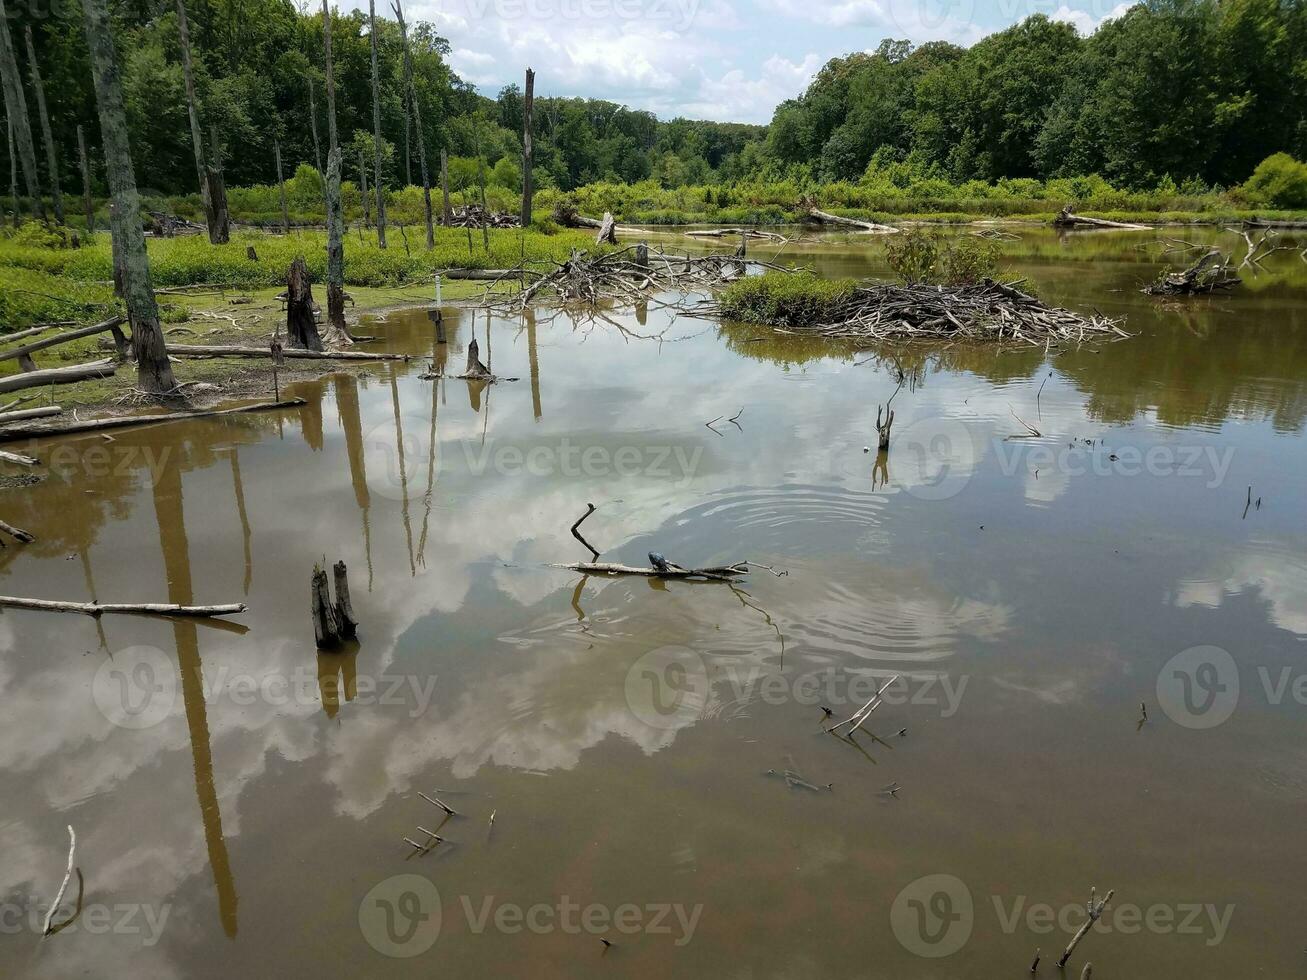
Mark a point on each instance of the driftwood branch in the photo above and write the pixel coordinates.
(590, 509)
(131, 421)
(716, 573)
(58, 376)
(826, 218)
(59, 897)
(1095, 910)
(17, 533)
(125, 608)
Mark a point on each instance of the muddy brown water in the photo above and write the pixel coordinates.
(240, 801)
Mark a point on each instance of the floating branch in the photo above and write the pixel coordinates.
(436, 802)
(715, 573)
(17, 533)
(130, 608)
(18, 458)
(72, 851)
(826, 218)
(860, 715)
(590, 509)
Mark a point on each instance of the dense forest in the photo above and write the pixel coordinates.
(1188, 94)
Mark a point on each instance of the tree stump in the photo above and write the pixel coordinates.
(301, 328)
(219, 224)
(607, 230)
(344, 609)
(250, 254)
(326, 625)
(475, 369)
(642, 255)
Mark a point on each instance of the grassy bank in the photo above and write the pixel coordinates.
(42, 282)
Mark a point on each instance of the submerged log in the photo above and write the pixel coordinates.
(1208, 274)
(220, 350)
(130, 608)
(131, 421)
(17, 533)
(1067, 218)
(717, 573)
(58, 376)
(326, 627)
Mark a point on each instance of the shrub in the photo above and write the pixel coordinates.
(785, 299)
(919, 256)
(1279, 181)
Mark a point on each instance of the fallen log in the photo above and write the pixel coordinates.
(126, 608)
(29, 413)
(17, 533)
(25, 352)
(39, 328)
(1208, 274)
(825, 217)
(1067, 218)
(58, 376)
(220, 350)
(480, 273)
(716, 573)
(18, 458)
(131, 421)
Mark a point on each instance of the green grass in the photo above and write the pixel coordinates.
(784, 300)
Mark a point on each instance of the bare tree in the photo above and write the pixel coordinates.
(376, 128)
(85, 162)
(13, 173)
(528, 103)
(16, 109)
(336, 332)
(197, 139)
(51, 160)
(417, 122)
(154, 373)
(281, 187)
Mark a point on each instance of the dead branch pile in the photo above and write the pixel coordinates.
(986, 311)
(164, 225)
(1208, 274)
(627, 274)
(475, 216)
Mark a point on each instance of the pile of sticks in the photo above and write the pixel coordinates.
(475, 216)
(986, 310)
(627, 274)
(1207, 275)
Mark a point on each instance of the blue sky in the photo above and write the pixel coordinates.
(708, 59)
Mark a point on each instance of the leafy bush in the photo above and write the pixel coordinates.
(1279, 181)
(919, 256)
(784, 299)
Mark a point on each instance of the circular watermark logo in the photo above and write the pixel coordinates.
(1199, 687)
(933, 458)
(400, 458)
(933, 915)
(668, 687)
(400, 916)
(136, 688)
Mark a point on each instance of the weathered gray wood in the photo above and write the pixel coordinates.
(345, 618)
(57, 339)
(13, 172)
(417, 122)
(223, 350)
(192, 111)
(475, 369)
(378, 183)
(834, 219)
(218, 221)
(154, 373)
(1067, 218)
(57, 376)
(722, 573)
(47, 137)
(140, 608)
(326, 627)
(607, 230)
(447, 213)
(87, 204)
(301, 327)
(16, 109)
(336, 334)
(18, 458)
(17, 533)
(30, 413)
(281, 188)
(8, 434)
(528, 102)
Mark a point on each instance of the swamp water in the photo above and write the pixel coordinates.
(240, 801)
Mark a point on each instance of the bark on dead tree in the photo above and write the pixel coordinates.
(607, 230)
(475, 369)
(281, 188)
(417, 122)
(363, 191)
(336, 332)
(193, 114)
(219, 225)
(154, 373)
(447, 214)
(42, 114)
(87, 205)
(377, 181)
(326, 627)
(13, 173)
(16, 109)
(344, 607)
(528, 102)
(317, 145)
(301, 327)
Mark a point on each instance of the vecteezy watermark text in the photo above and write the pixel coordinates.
(94, 919)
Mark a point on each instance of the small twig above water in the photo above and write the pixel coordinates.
(590, 509)
(54, 906)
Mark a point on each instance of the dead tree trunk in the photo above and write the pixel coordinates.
(326, 627)
(13, 173)
(377, 181)
(87, 203)
(154, 372)
(16, 109)
(336, 332)
(363, 191)
(317, 145)
(217, 218)
(51, 160)
(417, 122)
(193, 114)
(607, 230)
(447, 214)
(481, 181)
(475, 369)
(301, 327)
(344, 608)
(528, 103)
(1067, 218)
(281, 188)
